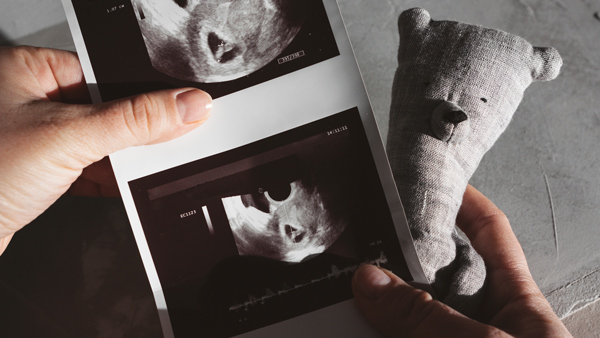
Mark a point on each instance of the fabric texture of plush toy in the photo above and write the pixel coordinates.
(455, 91)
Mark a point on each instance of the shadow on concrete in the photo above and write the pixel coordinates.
(4, 40)
(57, 36)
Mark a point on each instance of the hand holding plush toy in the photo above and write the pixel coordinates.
(455, 91)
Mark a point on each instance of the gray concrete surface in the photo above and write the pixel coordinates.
(543, 172)
(19, 18)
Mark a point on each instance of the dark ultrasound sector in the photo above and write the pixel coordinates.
(285, 221)
(219, 40)
(290, 208)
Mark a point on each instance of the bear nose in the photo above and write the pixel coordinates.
(450, 123)
(455, 116)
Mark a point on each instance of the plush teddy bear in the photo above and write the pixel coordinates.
(455, 91)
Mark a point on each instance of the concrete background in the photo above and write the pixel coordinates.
(19, 18)
(79, 259)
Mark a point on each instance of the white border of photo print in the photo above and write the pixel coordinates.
(248, 115)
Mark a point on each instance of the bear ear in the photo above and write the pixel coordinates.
(415, 18)
(546, 63)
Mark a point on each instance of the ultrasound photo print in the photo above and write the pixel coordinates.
(210, 41)
(268, 231)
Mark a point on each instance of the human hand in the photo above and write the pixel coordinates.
(48, 136)
(512, 306)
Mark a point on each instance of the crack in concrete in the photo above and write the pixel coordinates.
(573, 309)
(588, 3)
(530, 10)
(571, 283)
(554, 225)
(560, 4)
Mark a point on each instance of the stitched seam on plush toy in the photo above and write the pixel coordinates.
(452, 133)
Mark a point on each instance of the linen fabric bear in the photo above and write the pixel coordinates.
(455, 91)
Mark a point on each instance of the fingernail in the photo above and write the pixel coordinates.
(194, 105)
(371, 281)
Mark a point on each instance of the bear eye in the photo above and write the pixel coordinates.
(484, 100)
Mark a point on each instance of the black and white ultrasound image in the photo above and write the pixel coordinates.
(220, 46)
(290, 213)
(268, 231)
(219, 40)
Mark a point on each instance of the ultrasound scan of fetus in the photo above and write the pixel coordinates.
(286, 221)
(209, 41)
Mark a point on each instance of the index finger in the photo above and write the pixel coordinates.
(509, 282)
(490, 232)
(68, 73)
(47, 73)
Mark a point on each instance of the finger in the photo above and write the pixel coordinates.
(4, 242)
(96, 180)
(397, 309)
(513, 301)
(101, 173)
(490, 232)
(95, 131)
(87, 188)
(50, 74)
(65, 67)
(509, 278)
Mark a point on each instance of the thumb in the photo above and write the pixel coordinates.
(397, 309)
(139, 120)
